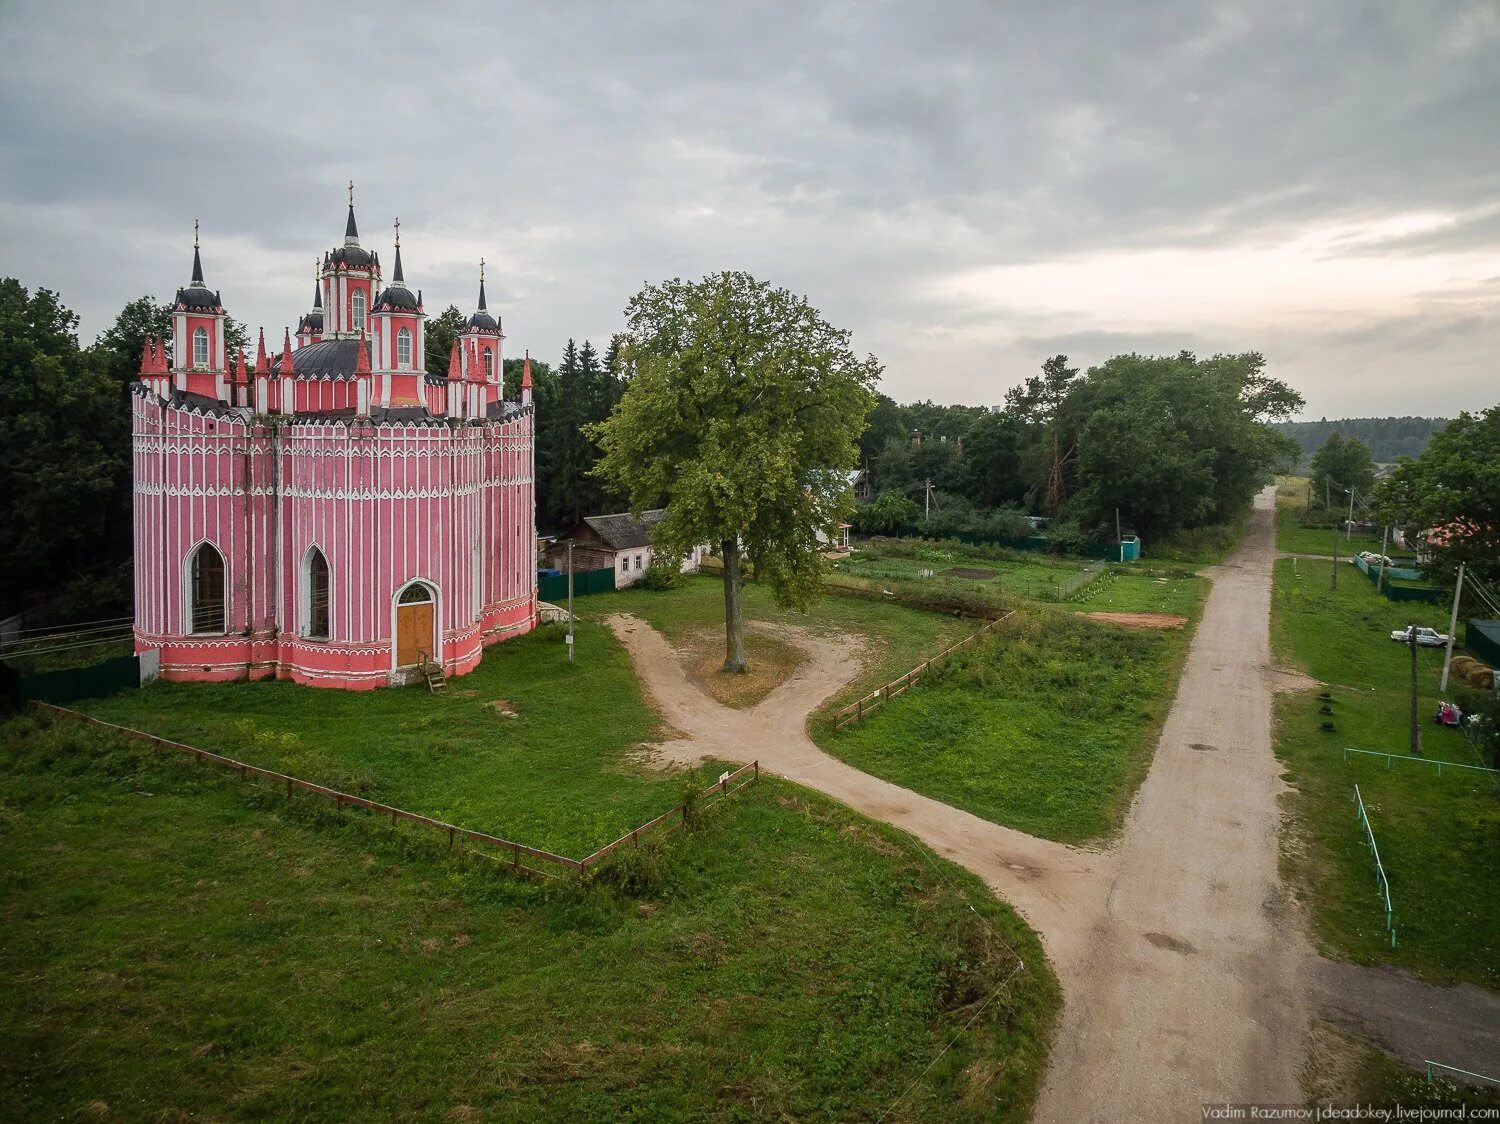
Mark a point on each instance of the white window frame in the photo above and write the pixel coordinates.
(403, 347)
(200, 347)
(357, 310)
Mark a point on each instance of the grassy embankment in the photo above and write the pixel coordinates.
(1048, 729)
(179, 941)
(1436, 834)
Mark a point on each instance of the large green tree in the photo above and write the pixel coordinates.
(1451, 494)
(1340, 465)
(745, 409)
(1174, 441)
(64, 457)
(440, 333)
(1040, 404)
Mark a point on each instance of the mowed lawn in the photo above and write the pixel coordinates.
(1048, 726)
(1437, 834)
(179, 945)
(561, 774)
(1294, 537)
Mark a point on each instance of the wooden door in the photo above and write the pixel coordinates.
(413, 632)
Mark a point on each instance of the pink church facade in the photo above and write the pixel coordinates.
(335, 515)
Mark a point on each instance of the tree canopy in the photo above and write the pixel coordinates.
(744, 411)
(1450, 495)
(1341, 463)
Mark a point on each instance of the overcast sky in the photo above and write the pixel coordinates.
(968, 187)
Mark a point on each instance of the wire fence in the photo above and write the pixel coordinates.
(726, 785)
(1380, 879)
(1066, 590)
(861, 708)
(1431, 1065)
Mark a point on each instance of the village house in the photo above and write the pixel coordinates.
(621, 543)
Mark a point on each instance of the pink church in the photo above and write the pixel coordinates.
(336, 515)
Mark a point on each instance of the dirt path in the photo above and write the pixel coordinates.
(1181, 968)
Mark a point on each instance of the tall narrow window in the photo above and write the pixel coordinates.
(489, 365)
(403, 348)
(200, 347)
(317, 595)
(206, 610)
(357, 310)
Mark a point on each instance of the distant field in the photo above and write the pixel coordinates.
(1293, 537)
(1435, 833)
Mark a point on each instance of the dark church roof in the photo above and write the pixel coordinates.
(197, 297)
(482, 318)
(333, 358)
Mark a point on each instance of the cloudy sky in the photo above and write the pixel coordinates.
(969, 187)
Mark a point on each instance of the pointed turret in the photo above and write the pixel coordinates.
(286, 352)
(262, 364)
(526, 380)
(351, 230)
(362, 358)
(454, 370)
(482, 320)
(147, 357)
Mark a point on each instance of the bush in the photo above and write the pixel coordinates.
(662, 574)
(890, 511)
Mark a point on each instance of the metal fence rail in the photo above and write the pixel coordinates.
(1068, 589)
(1431, 1065)
(1389, 757)
(1380, 879)
(861, 708)
(516, 851)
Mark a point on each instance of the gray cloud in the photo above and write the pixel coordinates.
(859, 153)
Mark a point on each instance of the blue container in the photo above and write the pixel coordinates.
(1130, 549)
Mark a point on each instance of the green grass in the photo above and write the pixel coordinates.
(1047, 728)
(560, 775)
(1437, 834)
(1016, 574)
(1294, 538)
(181, 944)
(1128, 589)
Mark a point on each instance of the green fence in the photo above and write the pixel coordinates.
(1430, 594)
(62, 687)
(1483, 639)
(554, 587)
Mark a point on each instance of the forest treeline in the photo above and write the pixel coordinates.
(1388, 439)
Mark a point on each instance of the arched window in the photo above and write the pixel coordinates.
(357, 308)
(416, 594)
(489, 365)
(200, 347)
(403, 348)
(206, 590)
(317, 595)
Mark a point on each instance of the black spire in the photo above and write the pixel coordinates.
(351, 232)
(197, 261)
(481, 285)
(317, 295)
(397, 278)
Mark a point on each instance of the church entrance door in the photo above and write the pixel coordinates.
(414, 618)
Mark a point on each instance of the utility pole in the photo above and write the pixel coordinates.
(1334, 584)
(927, 502)
(1452, 629)
(570, 602)
(1416, 726)
(1385, 542)
(1351, 515)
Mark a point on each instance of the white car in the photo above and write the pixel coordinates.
(1426, 637)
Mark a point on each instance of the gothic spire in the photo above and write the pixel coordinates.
(481, 285)
(317, 289)
(351, 232)
(197, 261)
(397, 278)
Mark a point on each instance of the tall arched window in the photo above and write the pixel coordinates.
(206, 590)
(489, 364)
(357, 310)
(403, 348)
(316, 578)
(200, 347)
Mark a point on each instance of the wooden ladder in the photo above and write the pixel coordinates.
(432, 671)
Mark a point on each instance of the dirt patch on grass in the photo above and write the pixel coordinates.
(1286, 681)
(1140, 620)
(967, 572)
(773, 660)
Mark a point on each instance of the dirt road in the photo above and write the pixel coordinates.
(1180, 970)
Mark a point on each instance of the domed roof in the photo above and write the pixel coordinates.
(483, 320)
(396, 296)
(355, 257)
(197, 297)
(311, 323)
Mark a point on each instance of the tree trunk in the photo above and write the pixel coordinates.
(734, 611)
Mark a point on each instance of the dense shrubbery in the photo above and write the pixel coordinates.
(663, 573)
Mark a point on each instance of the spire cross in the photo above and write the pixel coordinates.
(398, 231)
(351, 193)
(481, 269)
(195, 234)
